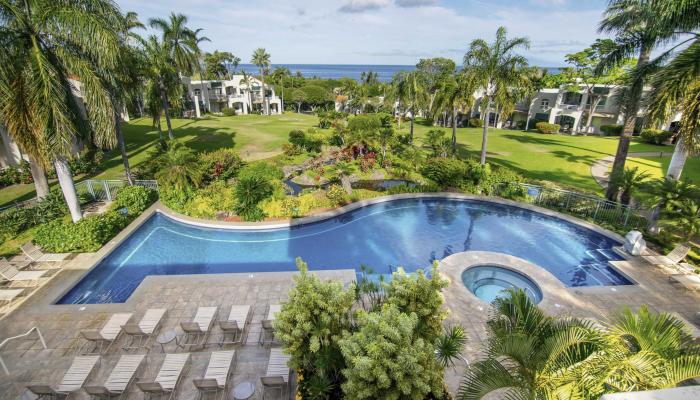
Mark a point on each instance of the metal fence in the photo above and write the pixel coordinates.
(580, 205)
(92, 190)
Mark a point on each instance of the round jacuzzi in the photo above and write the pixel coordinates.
(488, 282)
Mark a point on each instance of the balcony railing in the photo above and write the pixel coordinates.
(217, 96)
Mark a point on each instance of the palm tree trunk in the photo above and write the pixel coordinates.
(589, 119)
(41, 184)
(410, 130)
(160, 131)
(630, 119)
(454, 130)
(527, 120)
(122, 146)
(201, 86)
(65, 180)
(166, 109)
(265, 105)
(399, 110)
(485, 132)
(677, 161)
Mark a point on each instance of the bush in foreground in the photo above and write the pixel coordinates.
(135, 199)
(84, 236)
(656, 136)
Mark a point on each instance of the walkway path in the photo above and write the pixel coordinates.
(600, 170)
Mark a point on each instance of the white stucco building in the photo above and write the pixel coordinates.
(235, 93)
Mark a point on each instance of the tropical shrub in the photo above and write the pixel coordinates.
(611, 130)
(655, 136)
(547, 128)
(251, 190)
(175, 199)
(445, 172)
(297, 138)
(15, 174)
(135, 199)
(262, 169)
(86, 163)
(86, 235)
(179, 167)
(438, 142)
(207, 202)
(222, 164)
(229, 112)
(404, 368)
(16, 220)
(310, 324)
(476, 122)
(52, 206)
(336, 194)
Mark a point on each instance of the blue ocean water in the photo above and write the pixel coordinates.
(337, 71)
(409, 233)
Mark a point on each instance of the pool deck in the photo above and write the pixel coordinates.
(182, 294)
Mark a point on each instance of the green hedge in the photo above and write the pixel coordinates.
(135, 199)
(656, 136)
(611, 130)
(476, 122)
(84, 236)
(547, 128)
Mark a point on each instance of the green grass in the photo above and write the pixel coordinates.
(657, 166)
(559, 158)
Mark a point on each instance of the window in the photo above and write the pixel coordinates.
(545, 104)
(197, 92)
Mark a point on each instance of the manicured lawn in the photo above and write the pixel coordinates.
(657, 166)
(559, 158)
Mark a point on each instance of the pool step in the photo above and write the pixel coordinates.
(602, 255)
(601, 274)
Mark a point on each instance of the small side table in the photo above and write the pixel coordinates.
(243, 391)
(165, 338)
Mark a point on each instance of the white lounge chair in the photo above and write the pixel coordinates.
(277, 375)
(34, 253)
(197, 331)
(689, 281)
(73, 380)
(232, 328)
(7, 295)
(267, 333)
(107, 335)
(5, 263)
(139, 333)
(168, 378)
(671, 259)
(218, 372)
(12, 274)
(118, 381)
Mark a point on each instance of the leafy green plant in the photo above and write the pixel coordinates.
(206, 202)
(547, 128)
(446, 172)
(655, 136)
(222, 164)
(476, 122)
(179, 167)
(251, 190)
(16, 220)
(611, 130)
(229, 112)
(84, 236)
(135, 199)
(336, 194)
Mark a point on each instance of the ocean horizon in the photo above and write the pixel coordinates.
(353, 71)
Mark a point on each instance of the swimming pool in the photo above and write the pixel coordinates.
(406, 232)
(489, 282)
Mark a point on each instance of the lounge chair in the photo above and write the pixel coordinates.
(139, 333)
(267, 333)
(169, 376)
(233, 327)
(277, 376)
(73, 380)
(5, 263)
(12, 274)
(122, 375)
(107, 335)
(689, 281)
(197, 331)
(671, 259)
(34, 253)
(218, 372)
(7, 295)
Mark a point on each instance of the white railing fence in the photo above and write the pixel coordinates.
(29, 332)
(92, 190)
(580, 205)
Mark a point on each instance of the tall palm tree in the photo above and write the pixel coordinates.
(248, 81)
(261, 59)
(455, 93)
(529, 355)
(179, 40)
(48, 47)
(663, 195)
(196, 40)
(398, 93)
(162, 74)
(495, 67)
(415, 98)
(638, 30)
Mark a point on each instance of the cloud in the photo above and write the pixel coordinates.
(415, 3)
(359, 6)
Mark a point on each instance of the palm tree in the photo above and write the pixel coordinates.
(47, 47)
(638, 30)
(179, 168)
(416, 97)
(642, 351)
(261, 59)
(685, 219)
(664, 194)
(529, 355)
(495, 68)
(196, 40)
(179, 41)
(455, 93)
(398, 93)
(628, 182)
(163, 75)
(247, 81)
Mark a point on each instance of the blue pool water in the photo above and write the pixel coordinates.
(409, 233)
(489, 282)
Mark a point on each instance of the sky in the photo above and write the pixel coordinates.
(381, 31)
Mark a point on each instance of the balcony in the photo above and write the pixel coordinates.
(217, 97)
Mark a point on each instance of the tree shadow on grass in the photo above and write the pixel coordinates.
(530, 139)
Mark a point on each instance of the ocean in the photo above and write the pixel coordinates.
(337, 71)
